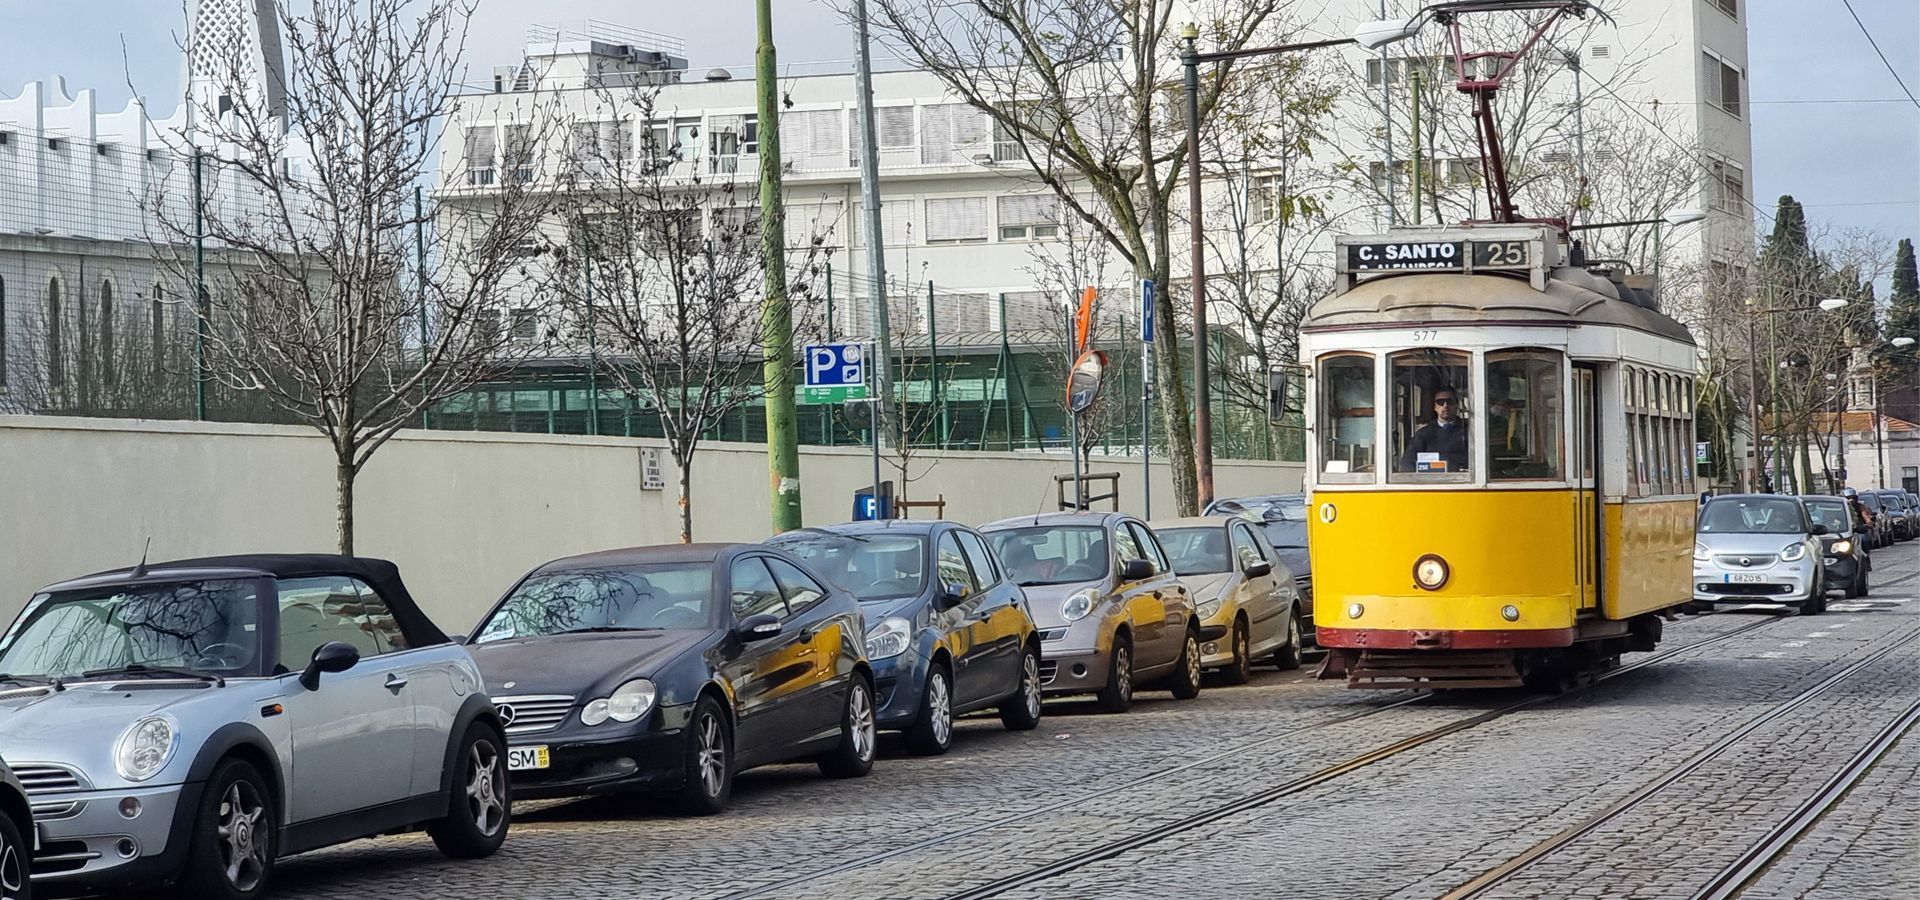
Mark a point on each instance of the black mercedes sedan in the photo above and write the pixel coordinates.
(670, 669)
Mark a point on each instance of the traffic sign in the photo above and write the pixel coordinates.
(835, 373)
(1146, 310)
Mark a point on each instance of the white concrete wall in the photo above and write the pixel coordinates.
(462, 513)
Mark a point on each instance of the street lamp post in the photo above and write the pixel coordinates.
(1831, 304)
(1373, 36)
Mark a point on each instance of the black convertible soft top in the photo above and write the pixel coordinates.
(382, 575)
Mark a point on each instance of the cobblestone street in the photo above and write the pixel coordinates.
(1647, 783)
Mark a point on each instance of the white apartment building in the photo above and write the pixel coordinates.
(962, 210)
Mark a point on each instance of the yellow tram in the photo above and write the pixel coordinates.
(1501, 468)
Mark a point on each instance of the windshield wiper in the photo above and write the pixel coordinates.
(142, 670)
(34, 681)
(603, 629)
(835, 534)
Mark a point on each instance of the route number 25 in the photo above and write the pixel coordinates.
(1503, 253)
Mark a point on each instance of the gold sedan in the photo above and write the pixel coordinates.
(1245, 596)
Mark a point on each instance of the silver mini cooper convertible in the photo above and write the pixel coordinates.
(191, 722)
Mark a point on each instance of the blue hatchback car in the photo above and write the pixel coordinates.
(948, 632)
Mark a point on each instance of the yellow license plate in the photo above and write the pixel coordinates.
(521, 759)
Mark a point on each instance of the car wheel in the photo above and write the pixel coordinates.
(1861, 583)
(15, 861)
(1117, 695)
(709, 762)
(1287, 658)
(932, 730)
(1021, 711)
(1185, 683)
(854, 755)
(231, 851)
(1238, 671)
(478, 810)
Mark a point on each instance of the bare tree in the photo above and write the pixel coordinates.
(662, 267)
(1084, 95)
(317, 299)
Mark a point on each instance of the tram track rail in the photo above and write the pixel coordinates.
(1727, 882)
(1262, 797)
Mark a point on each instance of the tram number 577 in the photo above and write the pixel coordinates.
(1501, 255)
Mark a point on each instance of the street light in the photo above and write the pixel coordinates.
(1372, 35)
(1830, 304)
(1675, 217)
(1902, 342)
(1836, 303)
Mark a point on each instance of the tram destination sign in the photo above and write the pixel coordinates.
(1456, 256)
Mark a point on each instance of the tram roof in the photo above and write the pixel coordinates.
(1573, 296)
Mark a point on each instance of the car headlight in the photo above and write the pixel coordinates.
(1077, 606)
(890, 638)
(630, 701)
(145, 747)
(1699, 550)
(1793, 553)
(1208, 608)
(1840, 547)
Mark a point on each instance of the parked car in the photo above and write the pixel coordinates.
(1758, 548)
(672, 669)
(1111, 612)
(1881, 530)
(16, 838)
(1283, 519)
(1844, 547)
(1245, 598)
(1901, 517)
(947, 632)
(193, 721)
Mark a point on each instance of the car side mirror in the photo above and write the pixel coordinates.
(1820, 530)
(1136, 570)
(758, 627)
(1259, 569)
(332, 657)
(951, 595)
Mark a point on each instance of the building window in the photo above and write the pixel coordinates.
(1730, 7)
(518, 158)
(1263, 198)
(525, 326)
(108, 374)
(56, 374)
(1729, 189)
(1720, 83)
(1029, 217)
(480, 141)
(896, 223)
(953, 220)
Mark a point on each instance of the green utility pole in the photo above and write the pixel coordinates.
(593, 345)
(420, 266)
(776, 314)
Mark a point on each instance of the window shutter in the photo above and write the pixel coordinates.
(896, 223)
(957, 219)
(480, 142)
(961, 312)
(893, 126)
(1029, 209)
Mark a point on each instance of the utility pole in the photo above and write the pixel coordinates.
(870, 210)
(1386, 124)
(1197, 280)
(1580, 139)
(776, 313)
(420, 267)
(200, 305)
(1419, 186)
(1753, 402)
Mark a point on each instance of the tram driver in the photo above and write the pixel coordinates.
(1439, 445)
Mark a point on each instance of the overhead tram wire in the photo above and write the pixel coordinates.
(1880, 53)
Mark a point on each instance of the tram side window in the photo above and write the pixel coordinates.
(1346, 414)
(1523, 415)
(1430, 413)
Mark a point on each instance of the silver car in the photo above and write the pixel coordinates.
(1110, 611)
(16, 838)
(192, 722)
(1758, 548)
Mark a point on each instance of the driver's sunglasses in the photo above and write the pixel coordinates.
(1443, 401)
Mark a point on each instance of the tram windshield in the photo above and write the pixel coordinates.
(1523, 415)
(1346, 410)
(1430, 405)
(1751, 515)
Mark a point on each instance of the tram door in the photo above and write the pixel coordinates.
(1588, 527)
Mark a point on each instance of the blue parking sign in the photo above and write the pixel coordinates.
(835, 373)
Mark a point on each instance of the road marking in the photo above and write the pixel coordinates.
(1819, 634)
(1772, 654)
(1793, 643)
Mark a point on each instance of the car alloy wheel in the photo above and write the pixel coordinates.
(860, 718)
(940, 707)
(1030, 684)
(243, 841)
(1123, 665)
(486, 788)
(13, 865)
(1193, 660)
(712, 755)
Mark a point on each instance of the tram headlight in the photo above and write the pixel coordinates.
(1699, 550)
(1793, 553)
(1431, 572)
(1510, 613)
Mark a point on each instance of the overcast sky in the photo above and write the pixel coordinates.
(1854, 164)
